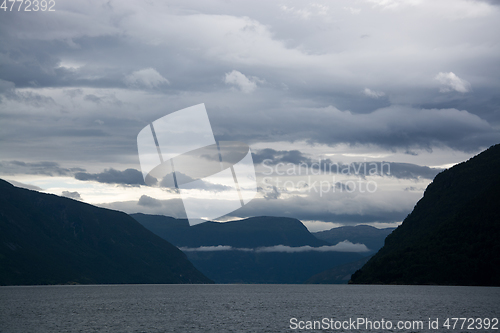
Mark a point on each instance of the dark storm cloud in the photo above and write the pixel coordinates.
(72, 195)
(148, 201)
(282, 156)
(32, 56)
(40, 59)
(305, 89)
(28, 64)
(33, 99)
(7, 89)
(395, 127)
(130, 177)
(271, 157)
(89, 132)
(299, 208)
(36, 168)
(412, 171)
(77, 85)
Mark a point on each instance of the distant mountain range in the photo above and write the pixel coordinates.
(255, 250)
(452, 236)
(46, 239)
(372, 237)
(248, 233)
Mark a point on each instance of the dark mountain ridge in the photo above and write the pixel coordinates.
(244, 265)
(452, 235)
(252, 232)
(46, 239)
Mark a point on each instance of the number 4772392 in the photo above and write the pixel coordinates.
(28, 5)
(471, 323)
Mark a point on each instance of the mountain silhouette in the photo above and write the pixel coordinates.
(242, 260)
(47, 239)
(247, 233)
(452, 235)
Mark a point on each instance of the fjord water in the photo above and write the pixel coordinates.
(234, 308)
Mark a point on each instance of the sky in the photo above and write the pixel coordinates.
(411, 85)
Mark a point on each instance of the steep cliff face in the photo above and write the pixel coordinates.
(452, 235)
(46, 239)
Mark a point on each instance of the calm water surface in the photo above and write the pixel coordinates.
(236, 308)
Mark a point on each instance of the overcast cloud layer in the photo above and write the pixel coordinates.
(413, 82)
